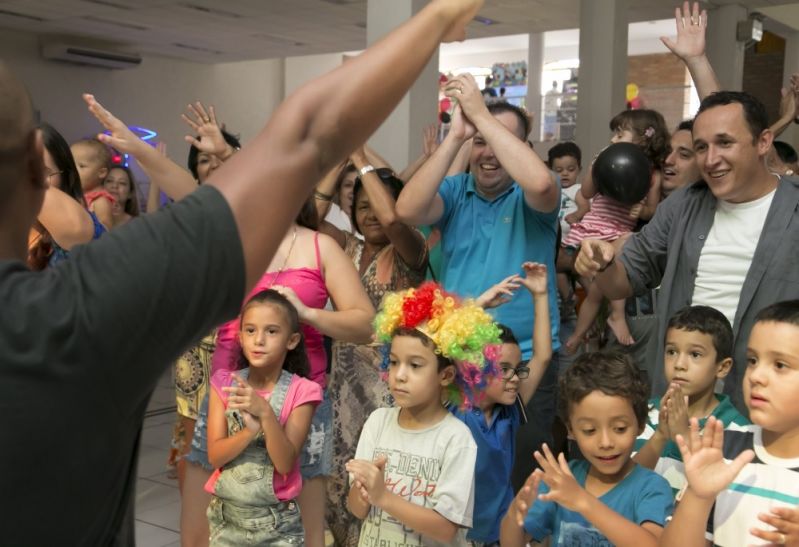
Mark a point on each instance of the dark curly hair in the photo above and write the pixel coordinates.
(296, 360)
(650, 130)
(611, 372)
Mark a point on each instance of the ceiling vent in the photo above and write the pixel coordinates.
(90, 56)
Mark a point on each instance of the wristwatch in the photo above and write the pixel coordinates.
(366, 169)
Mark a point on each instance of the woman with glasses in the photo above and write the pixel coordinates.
(392, 256)
(63, 221)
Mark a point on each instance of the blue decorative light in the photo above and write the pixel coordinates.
(143, 133)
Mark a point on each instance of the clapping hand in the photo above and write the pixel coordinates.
(368, 479)
(244, 398)
(499, 294)
(563, 487)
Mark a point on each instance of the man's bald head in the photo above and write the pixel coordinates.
(16, 124)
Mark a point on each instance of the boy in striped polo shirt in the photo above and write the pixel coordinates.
(743, 486)
(698, 353)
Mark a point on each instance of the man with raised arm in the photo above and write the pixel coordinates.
(501, 214)
(84, 344)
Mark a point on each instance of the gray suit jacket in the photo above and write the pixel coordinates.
(666, 254)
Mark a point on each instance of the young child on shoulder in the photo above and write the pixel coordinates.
(609, 219)
(743, 486)
(412, 479)
(93, 159)
(606, 499)
(258, 420)
(698, 352)
(496, 418)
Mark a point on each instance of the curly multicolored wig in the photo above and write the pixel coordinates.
(461, 332)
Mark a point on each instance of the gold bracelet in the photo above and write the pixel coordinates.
(324, 197)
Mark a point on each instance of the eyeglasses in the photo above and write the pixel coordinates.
(522, 372)
(52, 174)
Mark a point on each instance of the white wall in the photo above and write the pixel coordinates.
(299, 70)
(152, 95)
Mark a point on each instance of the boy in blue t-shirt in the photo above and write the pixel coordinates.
(743, 486)
(606, 499)
(495, 420)
(698, 352)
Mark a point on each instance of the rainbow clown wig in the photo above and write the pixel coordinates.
(461, 331)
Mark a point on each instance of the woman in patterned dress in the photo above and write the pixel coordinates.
(392, 256)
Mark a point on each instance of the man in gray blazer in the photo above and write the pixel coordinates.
(729, 241)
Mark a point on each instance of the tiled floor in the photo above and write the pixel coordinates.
(157, 496)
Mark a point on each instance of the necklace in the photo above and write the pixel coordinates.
(286, 260)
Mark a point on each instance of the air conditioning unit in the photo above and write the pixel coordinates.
(90, 56)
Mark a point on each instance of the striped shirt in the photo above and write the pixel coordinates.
(763, 484)
(607, 220)
(670, 465)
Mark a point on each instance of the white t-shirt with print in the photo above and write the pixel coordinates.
(432, 467)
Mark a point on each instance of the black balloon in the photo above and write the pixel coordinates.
(622, 172)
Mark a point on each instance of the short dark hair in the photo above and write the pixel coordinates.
(786, 311)
(611, 372)
(563, 149)
(706, 320)
(521, 114)
(685, 125)
(754, 110)
(506, 335)
(443, 362)
(785, 151)
(232, 140)
(389, 179)
(296, 360)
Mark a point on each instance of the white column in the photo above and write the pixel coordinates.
(535, 65)
(725, 52)
(399, 139)
(603, 71)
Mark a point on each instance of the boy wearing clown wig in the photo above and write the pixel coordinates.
(412, 479)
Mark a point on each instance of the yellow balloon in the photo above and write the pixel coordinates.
(632, 91)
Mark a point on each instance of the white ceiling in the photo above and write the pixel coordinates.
(210, 31)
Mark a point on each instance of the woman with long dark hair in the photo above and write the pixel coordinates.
(63, 221)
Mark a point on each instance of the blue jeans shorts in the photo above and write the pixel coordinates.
(317, 453)
(198, 454)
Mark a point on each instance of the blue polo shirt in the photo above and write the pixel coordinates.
(496, 445)
(483, 242)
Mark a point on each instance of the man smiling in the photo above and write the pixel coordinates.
(727, 241)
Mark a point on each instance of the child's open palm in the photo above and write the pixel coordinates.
(535, 277)
(525, 498)
(705, 469)
(563, 487)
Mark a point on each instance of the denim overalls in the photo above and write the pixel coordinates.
(245, 509)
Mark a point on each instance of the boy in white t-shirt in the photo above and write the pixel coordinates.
(412, 479)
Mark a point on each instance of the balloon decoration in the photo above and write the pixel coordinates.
(634, 101)
(623, 172)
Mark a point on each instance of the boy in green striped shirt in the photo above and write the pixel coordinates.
(698, 353)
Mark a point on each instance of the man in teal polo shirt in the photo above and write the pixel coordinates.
(502, 213)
